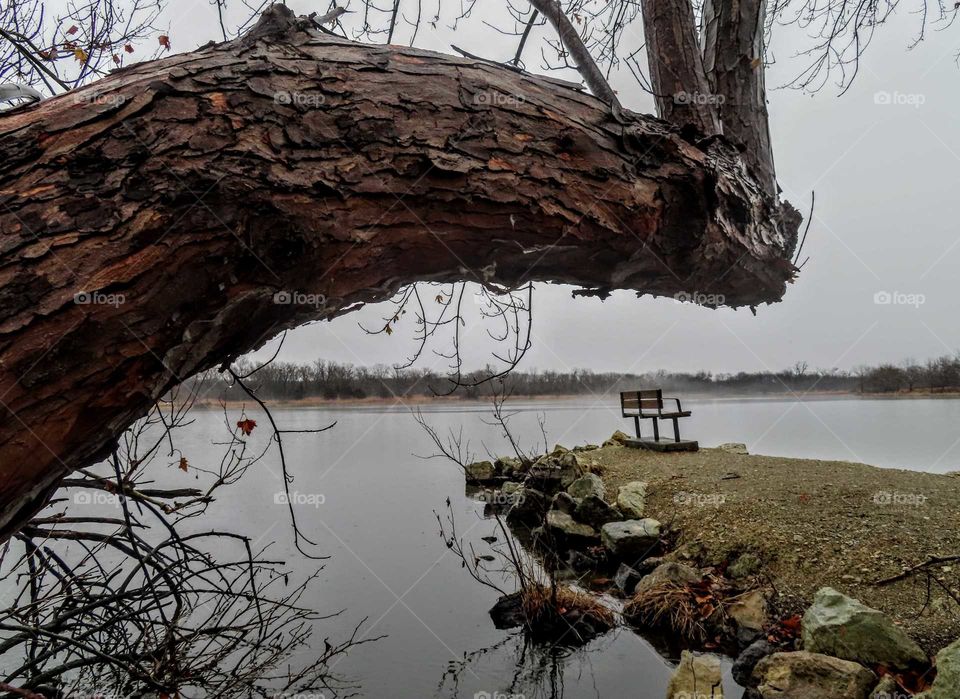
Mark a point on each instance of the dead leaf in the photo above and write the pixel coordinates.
(80, 55)
(164, 41)
(246, 425)
(183, 464)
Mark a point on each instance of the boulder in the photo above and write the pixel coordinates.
(632, 499)
(563, 525)
(805, 675)
(734, 448)
(589, 484)
(669, 572)
(947, 683)
(626, 578)
(696, 677)
(742, 669)
(480, 472)
(596, 512)
(618, 438)
(529, 506)
(564, 502)
(631, 540)
(845, 628)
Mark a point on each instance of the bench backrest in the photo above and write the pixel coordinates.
(637, 401)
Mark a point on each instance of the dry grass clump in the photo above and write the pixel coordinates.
(563, 613)
(676, 609)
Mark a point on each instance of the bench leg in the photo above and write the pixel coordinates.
(676, 430)
(656, 430)
(636, 422)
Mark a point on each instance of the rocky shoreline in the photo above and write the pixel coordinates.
(595, 527)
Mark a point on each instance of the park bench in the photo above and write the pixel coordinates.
(648, 405)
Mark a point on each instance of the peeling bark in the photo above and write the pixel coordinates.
(677, 76)
(183, 194)
(732, 41)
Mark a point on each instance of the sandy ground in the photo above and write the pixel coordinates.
(811, 523)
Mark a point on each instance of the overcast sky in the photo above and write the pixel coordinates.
(885, 176)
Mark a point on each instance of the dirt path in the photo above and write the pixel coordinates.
(811, 523)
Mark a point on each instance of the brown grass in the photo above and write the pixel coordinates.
(674, 609)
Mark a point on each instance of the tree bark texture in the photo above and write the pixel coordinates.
(179, 213)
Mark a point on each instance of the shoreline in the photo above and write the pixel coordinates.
(320, 402)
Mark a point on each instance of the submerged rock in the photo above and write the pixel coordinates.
(805, 675)
(632, 540)
(696, 677)
(561, 524)
(507, 613)
(742, 669)
(589, 484)
(480, 472)
(596, 512)
(947, 683)
(845, 628)
(632, 499)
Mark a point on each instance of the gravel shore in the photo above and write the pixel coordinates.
(811, 524)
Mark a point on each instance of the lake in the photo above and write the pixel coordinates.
(369, 500)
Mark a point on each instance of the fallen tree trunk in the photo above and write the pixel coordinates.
(153, 222)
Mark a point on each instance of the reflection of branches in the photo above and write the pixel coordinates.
(287, 478)
(538, 670)
(108, 591)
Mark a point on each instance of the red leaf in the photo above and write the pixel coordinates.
(128, 48)
(164, 41)
(246, 425)
(72, 30)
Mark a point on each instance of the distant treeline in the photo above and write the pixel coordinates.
(330, 380)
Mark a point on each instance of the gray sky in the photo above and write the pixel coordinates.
(886, 220)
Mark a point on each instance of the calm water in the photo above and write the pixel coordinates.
(389, 565)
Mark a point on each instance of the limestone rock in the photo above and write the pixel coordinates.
(947, 683)
(589, 484)
(596, 512)
(671, 572)
(805, 675)
(480, 472)
(561, 524)
(845, 628)
(734, 448)
(631, 540)
(696, 677)
(618, 438)
(632, 499)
